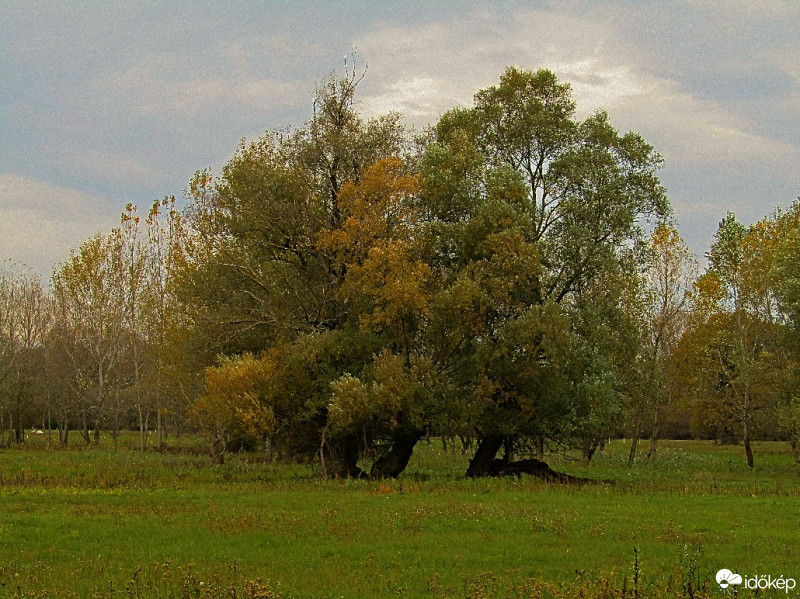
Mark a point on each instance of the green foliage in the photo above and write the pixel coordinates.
(785, 273)
(738, 362)
(784, 277)
(255, 272)
(536, 213)
(341, 291)
(472, 267)
(726, 258)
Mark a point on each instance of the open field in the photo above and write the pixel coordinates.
(95, 522)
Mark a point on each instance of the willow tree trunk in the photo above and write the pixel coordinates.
(635, 439)
(339, 457)
(634, 444)
(63, 429)
(481, 462)
(392, 463)
(590, 447)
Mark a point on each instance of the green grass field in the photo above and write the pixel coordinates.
(98, 522)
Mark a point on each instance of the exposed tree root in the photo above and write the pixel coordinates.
(541, 470)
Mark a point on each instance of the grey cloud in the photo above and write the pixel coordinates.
(440, 66)
(122, 102)
(40, 223)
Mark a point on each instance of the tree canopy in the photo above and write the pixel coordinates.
(469, 284)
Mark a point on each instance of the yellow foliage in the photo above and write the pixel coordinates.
(232, 403)
(377, 248)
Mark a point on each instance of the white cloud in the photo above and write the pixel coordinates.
(417, 98)
(457, 59)
(599, 84)
(423, 71)
(40, 223)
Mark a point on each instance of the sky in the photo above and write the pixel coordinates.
(105, 103)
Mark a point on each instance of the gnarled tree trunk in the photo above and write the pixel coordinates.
(339, 457)
(481, 462)
(392, 463)
(485, 464)
(539, 469)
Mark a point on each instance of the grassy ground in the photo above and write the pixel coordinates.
(95, 522)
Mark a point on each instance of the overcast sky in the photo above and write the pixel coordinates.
(104, 103)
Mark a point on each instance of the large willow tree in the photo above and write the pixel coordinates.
(475, 286)
(540, 217)
(258, 277)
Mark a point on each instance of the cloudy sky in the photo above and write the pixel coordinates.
(104, 103)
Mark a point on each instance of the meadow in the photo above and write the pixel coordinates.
(100, 522)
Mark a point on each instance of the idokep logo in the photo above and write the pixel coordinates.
(726, 578)
(763, 582)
